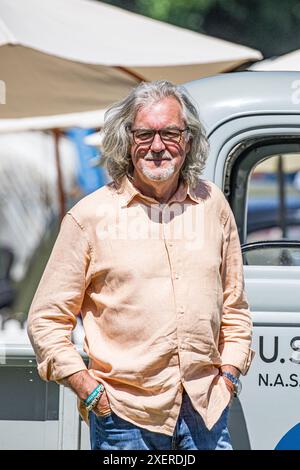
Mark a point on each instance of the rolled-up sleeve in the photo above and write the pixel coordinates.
(57, 303)
(236, 326)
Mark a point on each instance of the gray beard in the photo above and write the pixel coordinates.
(163, 174)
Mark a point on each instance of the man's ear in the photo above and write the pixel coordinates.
(189, 144)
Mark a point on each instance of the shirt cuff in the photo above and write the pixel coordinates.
(238, 357)
(60, 366)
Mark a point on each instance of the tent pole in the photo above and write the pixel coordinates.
(60, 186)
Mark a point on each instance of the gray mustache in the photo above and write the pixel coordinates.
(163, 157)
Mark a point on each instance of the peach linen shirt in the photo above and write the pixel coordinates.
(161, 292)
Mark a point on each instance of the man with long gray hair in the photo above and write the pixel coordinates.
(152, 261)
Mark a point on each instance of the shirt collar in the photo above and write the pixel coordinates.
(128, 192)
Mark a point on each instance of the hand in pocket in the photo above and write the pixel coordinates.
(103, 407)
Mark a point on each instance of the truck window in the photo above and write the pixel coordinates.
(265, 198)
(273, 207)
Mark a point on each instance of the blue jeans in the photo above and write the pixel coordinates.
(114, 433)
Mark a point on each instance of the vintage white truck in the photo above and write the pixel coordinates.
(253, 123)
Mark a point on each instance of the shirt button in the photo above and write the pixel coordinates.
(181, 311)
(177, 276)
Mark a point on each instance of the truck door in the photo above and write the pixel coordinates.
(259, 171)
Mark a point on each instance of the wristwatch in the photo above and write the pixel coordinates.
(236, 382)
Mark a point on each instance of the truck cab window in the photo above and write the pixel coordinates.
(265, 198)
(273, 208)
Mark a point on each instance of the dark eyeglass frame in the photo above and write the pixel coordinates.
(158, 131)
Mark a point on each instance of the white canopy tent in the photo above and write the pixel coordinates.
(84, 119)
(61, 58)
(37, 86)
(91, 32)
(290, 61)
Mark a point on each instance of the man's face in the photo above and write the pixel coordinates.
(159, 160)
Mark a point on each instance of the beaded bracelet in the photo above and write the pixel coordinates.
(94, 403)
(94, 397)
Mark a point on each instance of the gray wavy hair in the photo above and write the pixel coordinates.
(119, 118)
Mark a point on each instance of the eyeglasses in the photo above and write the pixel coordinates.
(168, 135)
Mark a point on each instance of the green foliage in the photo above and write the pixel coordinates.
(272, 26)
(188, 14)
